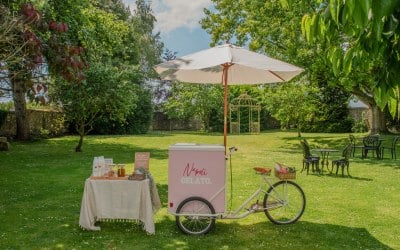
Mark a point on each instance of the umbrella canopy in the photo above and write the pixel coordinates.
(228, 65)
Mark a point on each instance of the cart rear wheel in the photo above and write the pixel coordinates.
(195, 216)
(284, 202)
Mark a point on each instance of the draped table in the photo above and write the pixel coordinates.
(120, 199)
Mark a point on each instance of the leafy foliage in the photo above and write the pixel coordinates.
(71, 36)
(103, 94)
(267, 27)
(292, 104)
(138, 117)
(195, 100)
(369, 42)
(149, 44)
(37, 40)
(9, 41)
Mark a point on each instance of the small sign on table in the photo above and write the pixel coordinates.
(142, 160)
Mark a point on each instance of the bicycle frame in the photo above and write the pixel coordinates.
(236, 213)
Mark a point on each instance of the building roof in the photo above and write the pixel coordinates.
(354, 103)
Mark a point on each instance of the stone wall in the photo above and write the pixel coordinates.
(43, 123)
(163, 123)
(359, 114)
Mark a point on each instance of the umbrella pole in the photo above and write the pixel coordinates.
(225, 78)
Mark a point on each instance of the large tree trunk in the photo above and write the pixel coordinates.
(21, 116)
(378, 118)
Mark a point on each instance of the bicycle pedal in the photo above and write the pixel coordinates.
(273, 204)
(256, 207)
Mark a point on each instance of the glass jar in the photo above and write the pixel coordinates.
(121, 170)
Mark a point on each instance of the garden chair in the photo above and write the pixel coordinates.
(343, 162)
(392, 148)
(308, 158)
(371, 143)
(354, 144)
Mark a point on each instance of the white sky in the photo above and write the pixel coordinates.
(178, 24)
(174, 14)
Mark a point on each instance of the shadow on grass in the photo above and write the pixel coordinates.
(163, 193)
(231, 234)
(96, 146)
(303, 235)
(339, 176)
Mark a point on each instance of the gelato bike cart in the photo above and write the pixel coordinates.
(197, 190)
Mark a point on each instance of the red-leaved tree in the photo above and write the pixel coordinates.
(43, 49)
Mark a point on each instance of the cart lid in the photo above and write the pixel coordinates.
(197, 147)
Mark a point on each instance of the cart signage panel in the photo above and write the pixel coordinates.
(196, 170)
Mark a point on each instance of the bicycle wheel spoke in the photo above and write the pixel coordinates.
(201, 221)
(284, 202)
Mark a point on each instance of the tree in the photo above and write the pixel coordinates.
(116, 7)
(104, 92)
(262, 25)
(138, 117)
(36, 42)
(369, 47)
(292, 104)
(150, 45)
(9, 45)
(114, 38)
(194, 101)
(102, 31)
(9, 41)
(269, 28)
(161, 89)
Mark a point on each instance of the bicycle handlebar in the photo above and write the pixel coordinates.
(233, 149)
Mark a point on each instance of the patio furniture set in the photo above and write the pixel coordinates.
(372, 143)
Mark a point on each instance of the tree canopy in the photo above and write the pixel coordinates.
(68, 37)
(268, 27)
(361, 36)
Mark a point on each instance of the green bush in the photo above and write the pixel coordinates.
(137, 121)
(342, 126)
(216, 121)
(140, 119)
(359, 125)
(333, 126)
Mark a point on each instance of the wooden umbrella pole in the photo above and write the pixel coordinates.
(225, 82)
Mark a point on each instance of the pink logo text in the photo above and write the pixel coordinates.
(191, 170)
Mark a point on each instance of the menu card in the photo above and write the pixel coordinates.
(142, 160)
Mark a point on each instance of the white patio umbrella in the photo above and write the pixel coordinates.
(228, 65)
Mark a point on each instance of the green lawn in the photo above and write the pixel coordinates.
(41, 187)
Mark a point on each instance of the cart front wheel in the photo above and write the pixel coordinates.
(284, 202)
(195, 216)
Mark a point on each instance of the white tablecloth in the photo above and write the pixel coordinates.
(116, 200)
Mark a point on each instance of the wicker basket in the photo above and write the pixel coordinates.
(285, 176)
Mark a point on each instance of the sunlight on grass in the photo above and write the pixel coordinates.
(42, 185)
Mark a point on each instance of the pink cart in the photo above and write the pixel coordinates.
(197, 190)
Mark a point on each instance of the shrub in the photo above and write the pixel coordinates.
(359, 125)
(137, 121)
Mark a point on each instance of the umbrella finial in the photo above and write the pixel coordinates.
(228, 37)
